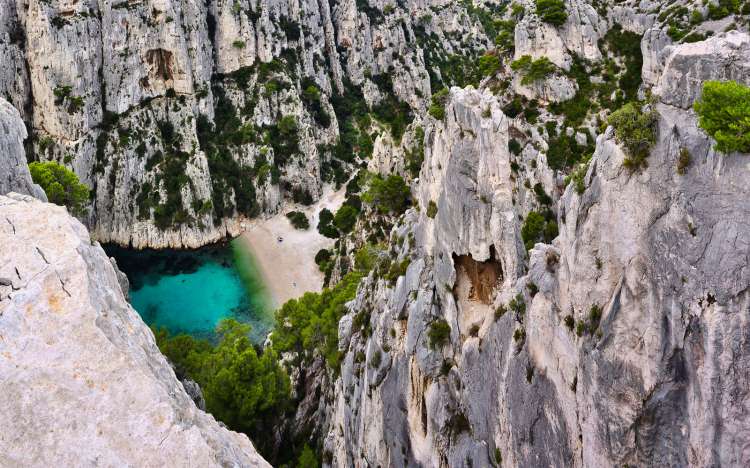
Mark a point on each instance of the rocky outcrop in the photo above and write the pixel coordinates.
(620, 343)
(14, 172)
(723, 57)
(83, 381)
(577, 36)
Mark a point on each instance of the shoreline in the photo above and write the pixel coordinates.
(288, 268)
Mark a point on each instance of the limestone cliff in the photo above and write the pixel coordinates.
(14, 172)
(620, 343)
(187, 117)
(83, 381)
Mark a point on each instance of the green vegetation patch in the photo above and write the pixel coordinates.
(635, 130)
(552, 11)
(533, 70)
(628, 45)
(61, 185)
(309, 325)
(247, 390)
(299, 220)
(538, 227)
(724, 113)
(387, 194)
(391, 110)
(438, 102)
(439, 333)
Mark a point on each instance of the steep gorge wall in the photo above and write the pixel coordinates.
(126, 94)
(623, 343)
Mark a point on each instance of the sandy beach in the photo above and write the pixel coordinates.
(288, 267)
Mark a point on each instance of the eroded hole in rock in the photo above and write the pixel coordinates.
(160, 63)
(477, 281)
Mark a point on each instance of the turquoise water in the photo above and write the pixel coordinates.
(192, 291)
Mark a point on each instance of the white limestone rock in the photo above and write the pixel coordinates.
(725, 56)
(83, 381)
(664, 255)
(14, 172)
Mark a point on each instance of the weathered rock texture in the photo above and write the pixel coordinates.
(83, 381)
(126, 93)
(14, 172)
(623, 342)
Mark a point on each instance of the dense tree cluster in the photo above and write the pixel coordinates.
(246, 389)
(309, 324)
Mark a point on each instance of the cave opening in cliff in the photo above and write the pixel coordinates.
(477, 281)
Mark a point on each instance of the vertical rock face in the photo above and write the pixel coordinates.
(623, 343)
(14, 173)
(83, 381)
(136, 96)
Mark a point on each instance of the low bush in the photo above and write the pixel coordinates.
(578, 176)
(61, 185)
(432, 209)
(387, 194)
(635, 130)
(533, 70)
(541, 195)
(538, 228)
(325, 224)
(724, 113)
(489, 64)
(595, 316)
(552, 11)
(299, 220)
(514, 146)
(439, 333)
(322, 256)
(500, 311)
(437, 106)
(345, 218)
(683, 162)
(518, 305)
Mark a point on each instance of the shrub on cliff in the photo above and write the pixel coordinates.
(724, 113)
(345, 218)
(439, 333)
(388, 194)
(61, 185)
(437, 107)
(538, 228)
(432, 209)
(552, 11)
(489, 64)
(533, 70)
(325, 224)
(635, 130)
